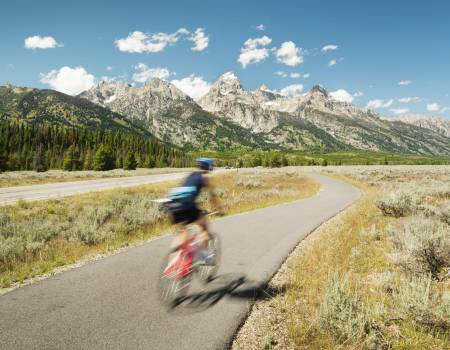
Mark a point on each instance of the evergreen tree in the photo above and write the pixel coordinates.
(39, 162)
(87, 164)
(71, 161)
(129, 162)
(103, 159)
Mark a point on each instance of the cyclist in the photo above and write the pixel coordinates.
(183, 207)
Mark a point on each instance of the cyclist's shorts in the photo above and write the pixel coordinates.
(187, 216)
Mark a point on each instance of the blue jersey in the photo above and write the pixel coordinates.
(184, 197)
(196, 180)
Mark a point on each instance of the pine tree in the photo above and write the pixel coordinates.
(103, 159)
(129, 162)
(39, 162)
(87, 164)
(71, 161)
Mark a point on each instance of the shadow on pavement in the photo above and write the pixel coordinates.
(234, 286)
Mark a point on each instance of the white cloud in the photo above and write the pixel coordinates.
(41, 42)
(295, 75)
(289, 54)
(404, 82)
(329, 48)
(445, 109)
(200, 39)
(433, 107)
(139, 42)
(261, 27)
(306, 76)
(71, 81)
(282, 74)
(399, 110)
(409, 99)
(144, 73)
(194, 86)
(292, 90)
(254, 51)
(332, 63)
(358, 94)
(109, 68)
(342, 96)
(375, 104)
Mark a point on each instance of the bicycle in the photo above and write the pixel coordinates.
(179, 267)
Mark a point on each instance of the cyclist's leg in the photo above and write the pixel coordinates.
(180, 238)
(202, 222)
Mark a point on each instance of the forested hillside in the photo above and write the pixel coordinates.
(39, 147)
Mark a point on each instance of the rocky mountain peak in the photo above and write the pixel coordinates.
(319, 90)
(227, 83)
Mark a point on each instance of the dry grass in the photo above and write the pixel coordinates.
(37, 237)
(22, 178)
(349, 286)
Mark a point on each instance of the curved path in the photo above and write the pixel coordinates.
(112, 303)
(10, 195)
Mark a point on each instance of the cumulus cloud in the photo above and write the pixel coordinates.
(375, 104)
(332, 63)
(404, 82)
(261, 27)
(282, 74)
(109, 68)
(289, 54)
(329, 48)
(306, 76)
(194, 86)
(292, 90)
(254, 51)
(71, 81)
(41, 42)
(144, 73)
(200, 39)
(433, 107)
(358, 94)
(409, 99)
(295, 75)
(399, 110)
(342, 96)
(139, 42)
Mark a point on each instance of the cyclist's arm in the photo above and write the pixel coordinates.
(212, 194)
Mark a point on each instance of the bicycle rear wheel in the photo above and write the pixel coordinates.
(172, 287)
(208, 269)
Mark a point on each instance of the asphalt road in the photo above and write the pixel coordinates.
(10, 195)
(112, 303)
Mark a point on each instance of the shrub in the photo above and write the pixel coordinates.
(424, 246)
(248, 183)
(398, 203)
(414, 300)
(444, 212)
(340, 311)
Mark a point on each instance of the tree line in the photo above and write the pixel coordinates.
(44, 146)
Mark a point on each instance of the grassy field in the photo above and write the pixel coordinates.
(37, 237)
(375, 277)
(21, 178)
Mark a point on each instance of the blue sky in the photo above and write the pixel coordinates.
(379, 44)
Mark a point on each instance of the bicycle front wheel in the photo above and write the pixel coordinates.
(172, 287)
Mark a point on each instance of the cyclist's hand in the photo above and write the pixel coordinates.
(220, 212)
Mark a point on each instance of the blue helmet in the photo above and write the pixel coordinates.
(205, 163)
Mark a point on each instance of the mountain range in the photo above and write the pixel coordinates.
(230, 116)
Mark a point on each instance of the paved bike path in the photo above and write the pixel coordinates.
(112, 303)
